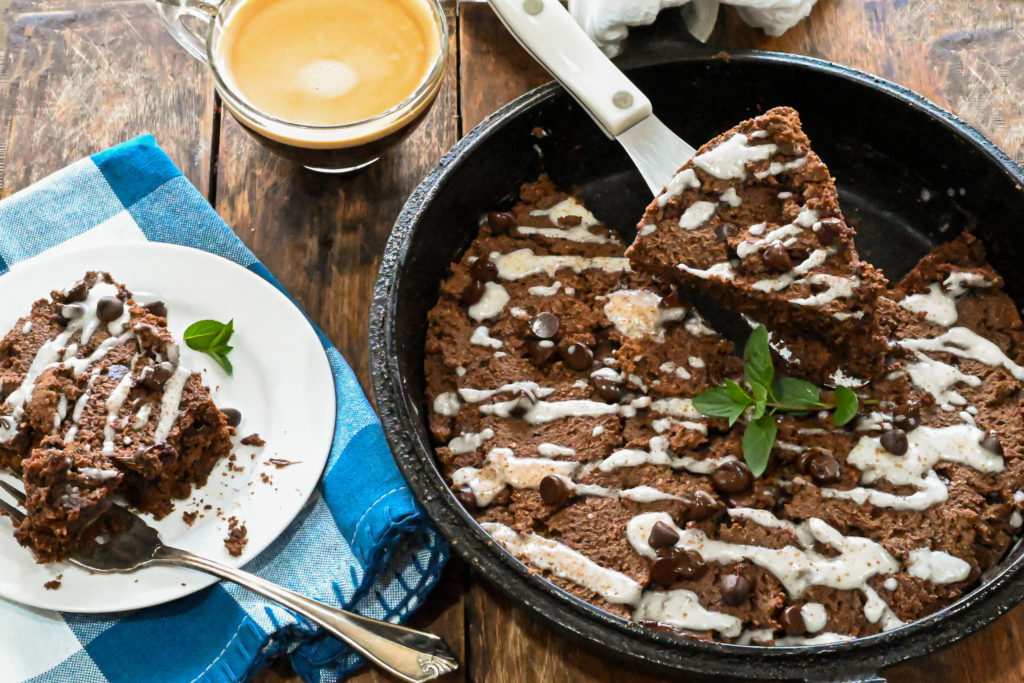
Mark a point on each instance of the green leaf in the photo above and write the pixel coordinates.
(737, 394)
(792, 394)
(211, 337)
(201, 335)
(718, 402)
(758, 441)
(847, 405)
(757, 358)
(760, 399)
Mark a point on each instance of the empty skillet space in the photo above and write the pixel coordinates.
(884, 152)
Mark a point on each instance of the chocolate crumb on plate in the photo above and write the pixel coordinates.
(236, 539)
(253, 440)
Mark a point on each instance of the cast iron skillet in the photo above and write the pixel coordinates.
(909, 174)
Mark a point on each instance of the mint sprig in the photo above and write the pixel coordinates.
(765, 395)
(211, 337)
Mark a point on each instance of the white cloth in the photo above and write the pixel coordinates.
(608, 21)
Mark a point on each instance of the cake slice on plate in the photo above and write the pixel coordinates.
(753, 221)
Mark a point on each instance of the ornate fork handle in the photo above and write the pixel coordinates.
(411, 655)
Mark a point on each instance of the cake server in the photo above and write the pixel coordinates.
(408, 654)
(548, 32)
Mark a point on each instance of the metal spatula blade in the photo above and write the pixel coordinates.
(656, 150)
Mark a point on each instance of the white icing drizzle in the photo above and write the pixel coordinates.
(503, 468)
(891, 584)
(564, 209)
(523, 262)
(76, 412)
(815, 259)
(937, 305)
(960, 341)
(686, 178)
(635, 313)
(468, 442)
(664, 424)
(731, 198)
(926, 446)
(564, 562)
(682, 609)
(60, 413)
(728, 160)
(671, 368)
(491, 304)
(170, 402)
(542, 412)
(1016, 519)
(114, 402)
(477, 395)
(481, 337)
(835, 288)
(658, 454)
(142, 417)
(598, 430)
(776, 167)
(721, 271)
(748, 248)
(446, 403)
(938, 378)
(696, 362)
(541, 290)
(937, 566)
(697, 214)
(47, 356)
(97, 474)
(815, 616)
(90, 322)
(677, 407)
(550, 450)
(858, 560)
(27, 327)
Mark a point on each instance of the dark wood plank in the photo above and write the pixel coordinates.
(81, 76)
(966, 57)
(322, 237)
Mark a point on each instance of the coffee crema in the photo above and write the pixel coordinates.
(328, 62)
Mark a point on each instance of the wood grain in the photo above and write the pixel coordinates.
(82, 76)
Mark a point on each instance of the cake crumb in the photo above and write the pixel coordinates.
(253, 439)
(54, 584)
(237, 537)
(281, 463)
(189, 517)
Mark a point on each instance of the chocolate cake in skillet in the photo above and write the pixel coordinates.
(97, 405)
(561, 376)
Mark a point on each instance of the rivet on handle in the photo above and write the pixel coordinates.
(533, 6)
(622, 100)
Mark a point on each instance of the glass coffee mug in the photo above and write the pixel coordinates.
(335, 148)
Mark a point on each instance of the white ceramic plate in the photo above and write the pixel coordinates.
(282, 384)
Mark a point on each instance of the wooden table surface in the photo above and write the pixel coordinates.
(80, 75)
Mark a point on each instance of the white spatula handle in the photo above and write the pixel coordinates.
(555, 40)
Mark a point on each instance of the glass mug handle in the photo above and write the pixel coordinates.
(173, 12)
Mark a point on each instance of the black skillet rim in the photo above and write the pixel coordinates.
(628, 641)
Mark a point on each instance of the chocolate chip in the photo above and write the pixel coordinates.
(554, 490)
(109, 308)
(991, 442)
(792, 621)
(732, 478)
(157, 308)
(233, 415)
(895, 441)
(70, 312)
(607, 388)
(662, 536)
(541, 351)
(467, 498)
(725, 230)
(907, 415)
(828, 232)
(473, 292)
(544, 325)
(523, 404)
(690, 564)
(702, 507)
(501, 222)
(777, 258)
(484, 270)
(735, 589)
(663, 571)
(824, 469)
(76, 292)
(577, 356)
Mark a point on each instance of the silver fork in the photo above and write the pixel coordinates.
(409, 654)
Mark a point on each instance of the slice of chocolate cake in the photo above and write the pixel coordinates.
(95, 403)
(753, 221)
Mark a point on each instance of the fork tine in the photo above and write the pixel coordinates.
(18, 495)
(13, 512)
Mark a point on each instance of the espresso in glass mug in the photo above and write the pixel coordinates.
(328, 83)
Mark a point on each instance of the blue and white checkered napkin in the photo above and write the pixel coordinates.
(361, 542)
